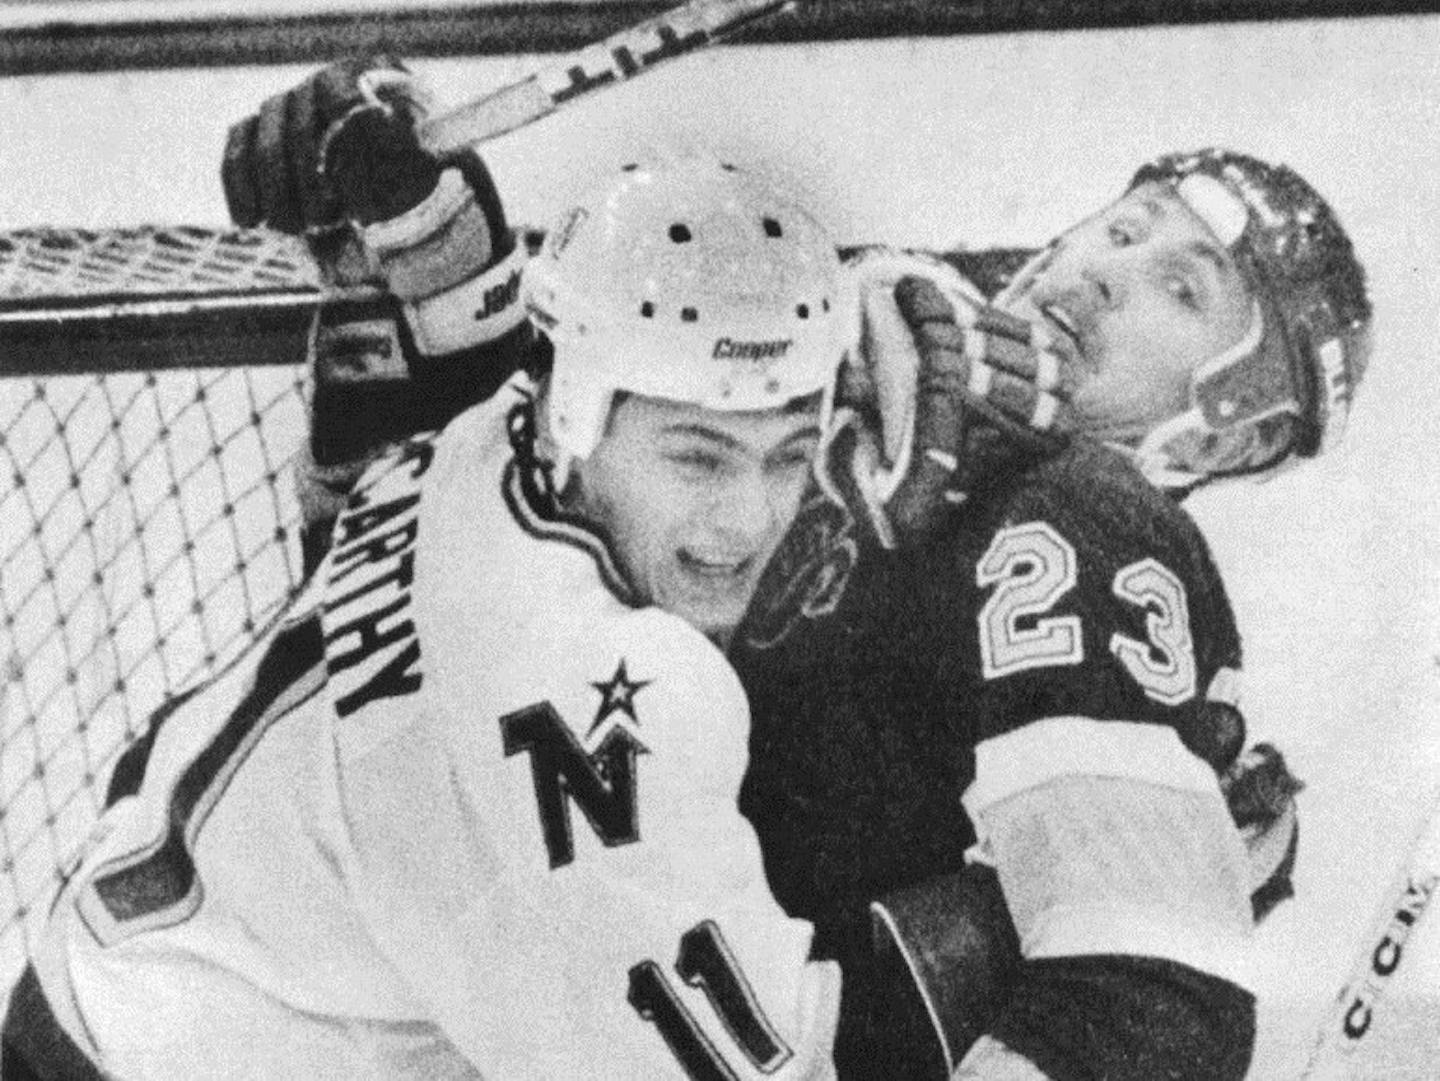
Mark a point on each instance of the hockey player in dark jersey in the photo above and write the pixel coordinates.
(994, 682)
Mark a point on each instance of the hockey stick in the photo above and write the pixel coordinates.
(621, 56)
(151, 298)
(1351, 1019)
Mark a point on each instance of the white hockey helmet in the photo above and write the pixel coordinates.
(687, 280)
(1310, 341)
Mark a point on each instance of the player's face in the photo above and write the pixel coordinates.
(695, 501)
(1144, 292)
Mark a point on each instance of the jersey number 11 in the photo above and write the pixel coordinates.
(705, 961)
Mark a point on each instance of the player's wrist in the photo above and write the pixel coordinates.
(469, 313)
(359, 369)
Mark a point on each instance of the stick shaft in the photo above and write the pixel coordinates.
(1350, 1019)
(621, 56)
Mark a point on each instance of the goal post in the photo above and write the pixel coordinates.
(151, 297)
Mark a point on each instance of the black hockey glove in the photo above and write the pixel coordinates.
(340, 147)
(946, 959)
(338, 160)
(945, 389)
(1260, 791)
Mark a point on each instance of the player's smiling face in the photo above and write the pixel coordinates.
(695, 501)
(1143, 292)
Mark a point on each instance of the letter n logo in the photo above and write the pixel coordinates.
(602, 784)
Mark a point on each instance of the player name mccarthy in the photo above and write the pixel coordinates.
(371, 648)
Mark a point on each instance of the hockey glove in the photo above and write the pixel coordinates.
(945, 388)
(1260, 792)
(338, 161)
(946, 958)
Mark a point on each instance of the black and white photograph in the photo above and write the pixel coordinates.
(809, 540)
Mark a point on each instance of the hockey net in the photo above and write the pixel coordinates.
(147, 520)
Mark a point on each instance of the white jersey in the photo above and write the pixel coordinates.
(471, 813)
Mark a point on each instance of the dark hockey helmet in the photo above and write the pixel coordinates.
(1310, 345)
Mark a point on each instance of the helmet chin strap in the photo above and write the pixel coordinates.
(1155, 457)
(1026, 275)
(1165, 454)
(559, 462)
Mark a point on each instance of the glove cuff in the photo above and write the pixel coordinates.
(442, 240)
(475, 311)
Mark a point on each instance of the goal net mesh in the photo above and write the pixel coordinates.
(148, 531)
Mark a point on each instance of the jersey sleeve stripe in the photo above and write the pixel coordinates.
(1081, 746)
(1119, 865)
(1213, 947)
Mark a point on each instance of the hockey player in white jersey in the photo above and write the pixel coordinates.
(472, 811)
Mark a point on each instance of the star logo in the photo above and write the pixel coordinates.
(617, 695)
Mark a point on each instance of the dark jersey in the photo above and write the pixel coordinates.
(1067, 588)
